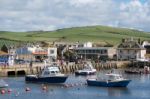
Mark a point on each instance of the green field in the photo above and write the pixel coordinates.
(97, 34)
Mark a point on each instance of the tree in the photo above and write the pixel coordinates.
(70, 56)
(4, 48)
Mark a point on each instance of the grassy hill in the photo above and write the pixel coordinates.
(98, 34)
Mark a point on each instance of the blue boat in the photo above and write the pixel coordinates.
(87, 70)
(112, 80)
(50, 74)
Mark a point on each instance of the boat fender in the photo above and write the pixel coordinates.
(44, 88)
(66, 85)
(76, 84)
(71, 85)
(27, 89)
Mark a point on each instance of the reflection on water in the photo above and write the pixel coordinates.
(118, 91)
(139, 88)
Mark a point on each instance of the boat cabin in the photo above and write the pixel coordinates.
(50, 71)
(112, 77)
(88, 67)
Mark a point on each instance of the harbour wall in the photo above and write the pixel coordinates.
(21, 70)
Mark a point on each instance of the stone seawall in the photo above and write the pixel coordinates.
(18, 70)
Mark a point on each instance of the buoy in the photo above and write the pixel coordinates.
(71, 85)
(3, 91)
(27, 89)
(66, 85)
(44, 88)
(76, 84)
(9, 90)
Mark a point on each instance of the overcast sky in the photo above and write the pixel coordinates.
(31, 15)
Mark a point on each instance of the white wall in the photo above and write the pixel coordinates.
(143, 53)
(52, 52)
(88, 44)
(134, 54)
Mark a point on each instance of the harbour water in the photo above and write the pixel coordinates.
(139, 88)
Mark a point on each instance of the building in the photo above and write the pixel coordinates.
(130, 49)
(8, 54)
(6, 59)
(36, 53)
(146, 45)
(52, 53)
(101, 53)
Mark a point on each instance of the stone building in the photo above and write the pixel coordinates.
(130, 49)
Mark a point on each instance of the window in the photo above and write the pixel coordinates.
(52, 72)
(105, 51)
(51, 51)
(120, 51)
(46, 73)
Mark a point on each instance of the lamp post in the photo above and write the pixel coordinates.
(85, 55)
(98, 57)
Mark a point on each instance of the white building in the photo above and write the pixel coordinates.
(95, 52)
(36, 53)
(130, 49)
(52, 53)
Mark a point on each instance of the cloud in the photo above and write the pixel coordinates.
(135, 14)
(28, 15)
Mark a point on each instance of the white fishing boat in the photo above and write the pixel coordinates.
(110, 80)
(50, 74)
(87, 70)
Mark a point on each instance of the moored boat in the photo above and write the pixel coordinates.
(145, 70)
(87, 70)
(50, 74)
(3, 84)
(133, 72)
(111, 80)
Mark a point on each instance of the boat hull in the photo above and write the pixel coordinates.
(84, 73)
(58, 79)
(132, 72)
(4, 86)
(122, 83)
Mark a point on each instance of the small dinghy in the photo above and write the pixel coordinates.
(87, 70)
(3, 84)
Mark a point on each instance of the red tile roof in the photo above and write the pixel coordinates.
(39, 53)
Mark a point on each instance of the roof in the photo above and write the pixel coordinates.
(130, 45)
(92, 48)
(3, 53)
(40, 53)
